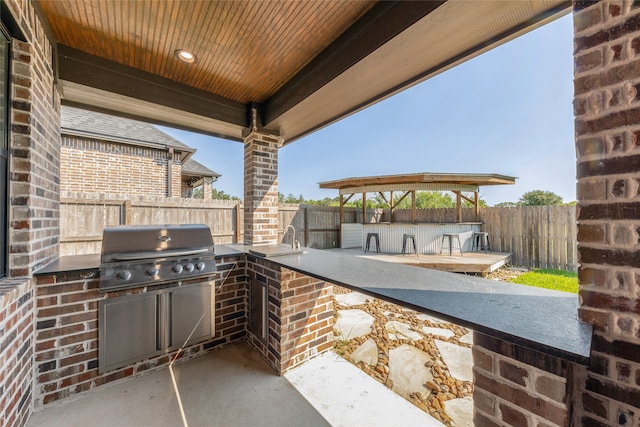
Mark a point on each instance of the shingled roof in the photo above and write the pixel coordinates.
(90, 124)
(75, 121)
(193, 168)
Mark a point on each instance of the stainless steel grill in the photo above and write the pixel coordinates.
(135, 256)
(138, 326)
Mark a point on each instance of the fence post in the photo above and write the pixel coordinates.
(306, 226)
(127, 212)
(239, 224)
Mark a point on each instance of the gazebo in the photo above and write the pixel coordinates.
(408, 185)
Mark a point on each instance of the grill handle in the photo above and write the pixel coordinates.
(157, 254)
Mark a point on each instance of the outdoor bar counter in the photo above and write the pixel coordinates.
(539, 319)
(428, 236)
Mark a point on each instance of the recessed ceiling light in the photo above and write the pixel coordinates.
(185, 56)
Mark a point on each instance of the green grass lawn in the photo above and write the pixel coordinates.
(559, 280)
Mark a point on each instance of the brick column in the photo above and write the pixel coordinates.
(260, 187)
(299, 314)
(207, 193)
(516, 386)
(607, 126)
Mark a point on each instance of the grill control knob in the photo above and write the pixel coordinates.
(124, 275)
(177, 268)
(200, 265)
(152, 271)
(188, 267)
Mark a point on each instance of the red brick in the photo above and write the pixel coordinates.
(554, 388)
(592, 233)
(513, 373)
(513, 416)
(522, 398)
(482, 360)
(598, 318)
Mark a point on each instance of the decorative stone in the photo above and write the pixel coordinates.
(408, 372)
(352, 298)
(398, 330)
(367, 353)
(467, 338)
(426, 317)
(352, 324)
(440, 332)
(458, 359)
(460, 411)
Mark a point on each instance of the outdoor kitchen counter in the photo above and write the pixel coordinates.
(70, 263)
(535, 318)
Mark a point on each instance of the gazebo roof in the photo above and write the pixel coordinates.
(426, 181)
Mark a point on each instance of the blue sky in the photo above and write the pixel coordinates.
(508, 112)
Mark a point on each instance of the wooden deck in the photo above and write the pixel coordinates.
(470, 262)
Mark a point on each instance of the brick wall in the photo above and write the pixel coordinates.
(260, 188)
(66, 342)
(300, 315)
(16, 352)
(607, 124)
(34, 148)
(94, 166)
(515, 386)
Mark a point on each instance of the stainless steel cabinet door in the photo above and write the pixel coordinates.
(191, 309)
(127, 330)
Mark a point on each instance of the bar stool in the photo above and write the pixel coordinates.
(370, 236)
(451, 236)
(406, 237)
(480, 240)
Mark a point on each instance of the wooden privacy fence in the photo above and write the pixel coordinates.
(537, 236)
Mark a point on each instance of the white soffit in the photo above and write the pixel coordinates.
(155, 113)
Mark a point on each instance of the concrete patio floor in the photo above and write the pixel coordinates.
(235, 387)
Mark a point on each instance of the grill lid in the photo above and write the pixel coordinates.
(127, 243)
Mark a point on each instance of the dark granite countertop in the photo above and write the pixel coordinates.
(535, 318)
(540, 319)
(92, 261)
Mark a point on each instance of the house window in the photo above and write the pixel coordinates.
(4, 149)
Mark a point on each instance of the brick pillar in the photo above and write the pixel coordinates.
(299, 314)
(607, 127)
(207, 193)
(260, 187)
(517, 386)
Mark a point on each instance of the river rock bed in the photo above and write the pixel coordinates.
(393, 329)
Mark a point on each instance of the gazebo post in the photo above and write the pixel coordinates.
(459, 204)
(391, 206)
(341, 220)
(364, 208)
(475, 203)
(413, 206)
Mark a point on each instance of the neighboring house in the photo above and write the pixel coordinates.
(106, 154)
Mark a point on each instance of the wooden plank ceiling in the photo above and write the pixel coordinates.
(246, 50)
(300, 64)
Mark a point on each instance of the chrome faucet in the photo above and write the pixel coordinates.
(294, 243)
